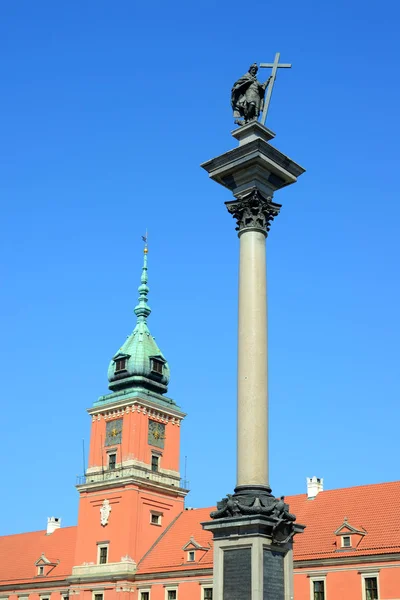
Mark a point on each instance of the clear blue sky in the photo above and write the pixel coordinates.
(107, 110)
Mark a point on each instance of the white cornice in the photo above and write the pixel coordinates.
(136, 402)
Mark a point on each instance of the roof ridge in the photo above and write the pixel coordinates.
(349, 487)
(160, 537)
(8, 535)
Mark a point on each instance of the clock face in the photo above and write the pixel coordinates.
(113, 432)
(156, 434)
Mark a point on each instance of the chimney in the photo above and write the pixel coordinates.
(53, 523)
(314, 486)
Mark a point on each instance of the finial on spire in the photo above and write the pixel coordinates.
(142, 310)
(144, 238)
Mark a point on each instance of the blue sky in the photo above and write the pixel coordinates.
(108, 109)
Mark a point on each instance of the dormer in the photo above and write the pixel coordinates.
(44, 565)
(348, 537)
(120, 362)
(157, 364)
(194, 551)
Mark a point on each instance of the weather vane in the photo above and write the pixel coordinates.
(247, 95)
(144, 238)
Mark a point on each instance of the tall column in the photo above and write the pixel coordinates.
(252, 529)
(252, 379)
(253, 213)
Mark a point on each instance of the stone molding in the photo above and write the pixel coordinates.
(253, 212)
(308, 563)
(126, 567)
(257, 502)
(155, 414)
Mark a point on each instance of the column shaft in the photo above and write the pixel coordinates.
(252, 427)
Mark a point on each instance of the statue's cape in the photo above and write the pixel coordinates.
(239, 88)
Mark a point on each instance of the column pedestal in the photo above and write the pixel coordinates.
(248, 563)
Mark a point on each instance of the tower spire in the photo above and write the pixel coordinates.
(142, 309)
(139, 363)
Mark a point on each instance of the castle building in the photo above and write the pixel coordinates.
(136, 541)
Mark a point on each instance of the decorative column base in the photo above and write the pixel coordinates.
(250, 563)
(253, 533)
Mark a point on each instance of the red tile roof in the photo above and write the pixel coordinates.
(374, 508)
(18, 554)
(168, 554)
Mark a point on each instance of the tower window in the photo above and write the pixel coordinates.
(155, 462)
(103, 555)
(120, 364)
(157, 366)
(112, 461)
(155, 518)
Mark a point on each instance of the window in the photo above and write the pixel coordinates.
(40, 570)
(155, 462)
(157, 366)
(172, 594)
(318, 590)
(103, 555)
(120, 365)
(191, 555)
(144, 595)
(207, 594)
(112, 459)
(346, 541)
(97, 596)
(155, 518)
(371, 588)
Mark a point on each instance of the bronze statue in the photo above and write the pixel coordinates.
(247, 96)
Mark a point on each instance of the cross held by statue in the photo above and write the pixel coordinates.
(274, 66)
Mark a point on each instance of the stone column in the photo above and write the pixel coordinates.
(252, 378)
(254, 214)
(252, 529)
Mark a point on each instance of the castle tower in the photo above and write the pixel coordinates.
(132, 489)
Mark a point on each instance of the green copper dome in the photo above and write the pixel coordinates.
(139, 362)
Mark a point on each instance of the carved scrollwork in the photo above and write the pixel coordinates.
(253, 211)
(265, 505)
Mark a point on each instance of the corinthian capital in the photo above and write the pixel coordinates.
(253, 211)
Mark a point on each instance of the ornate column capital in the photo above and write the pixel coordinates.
(253, 212)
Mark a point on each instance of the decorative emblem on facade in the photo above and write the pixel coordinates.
(253, 211)
(105, 510)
